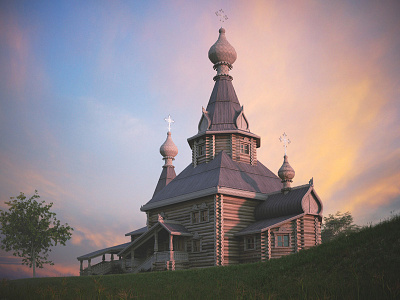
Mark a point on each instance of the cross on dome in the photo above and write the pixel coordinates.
(285, 141)
(169, 121)
(222, 16)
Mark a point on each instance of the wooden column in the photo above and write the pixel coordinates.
(132, 258)
(81, 265)
(89, 267)
(124, 263)
(112, 257)
(171, 252)
(156, 241)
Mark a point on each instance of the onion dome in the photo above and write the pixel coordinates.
(168, 150)
(286, 173)
(222, 55)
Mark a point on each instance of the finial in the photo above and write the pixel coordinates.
(222, 55)
(222, 16)
(285, 141)
(169, 121)
(311, 182)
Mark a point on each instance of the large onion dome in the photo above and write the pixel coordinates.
(222, 55)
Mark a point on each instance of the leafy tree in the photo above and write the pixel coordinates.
(338, 224)
(29, 229)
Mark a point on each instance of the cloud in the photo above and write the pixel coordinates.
(14, 59)
(98, 239)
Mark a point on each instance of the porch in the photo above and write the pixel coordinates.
(162, 247)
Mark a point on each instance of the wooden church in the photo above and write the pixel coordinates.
(225, 207)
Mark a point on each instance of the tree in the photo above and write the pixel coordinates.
(30, 229)
(338, 224)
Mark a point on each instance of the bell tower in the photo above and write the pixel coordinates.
(223, 125)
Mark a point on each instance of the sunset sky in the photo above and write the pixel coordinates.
(85, 87)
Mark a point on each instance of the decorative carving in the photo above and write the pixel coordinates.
(205, 121)
(161, 217)
(241, 121)
(203, 205)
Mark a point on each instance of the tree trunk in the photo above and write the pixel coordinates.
(33, 257)
(34, 267)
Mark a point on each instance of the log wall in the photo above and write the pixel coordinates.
(232, 215)
(230, 143)
(182, 213)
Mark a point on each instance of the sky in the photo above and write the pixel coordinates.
(85, 87)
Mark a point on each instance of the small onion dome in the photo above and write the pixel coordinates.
(286, 173)
(168, 149)
(222, 55)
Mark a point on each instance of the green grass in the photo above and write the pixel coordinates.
(363, 265)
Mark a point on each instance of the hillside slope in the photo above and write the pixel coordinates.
(363, 265)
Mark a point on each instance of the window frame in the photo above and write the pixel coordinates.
(245, 148)
(198, 242)
(253, 242)
(201, 149)
(282, 236)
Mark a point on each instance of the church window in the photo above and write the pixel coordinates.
(249, 243)
(204, 215)
(196, 245)
(195, 217)
(283, 240)
(201, 150)
(179, 243)
(244, 148)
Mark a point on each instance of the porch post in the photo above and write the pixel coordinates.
(132, 258)
(89, 267)
(81, 265)
(112, 257)
(171, 252)
(124, 263)
(104, 257)
(156, 241)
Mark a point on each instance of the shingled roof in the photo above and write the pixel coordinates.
(223, 106)
(222, 171)
(110, 250)
(295, 201)
(283, 207)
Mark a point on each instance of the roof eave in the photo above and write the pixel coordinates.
(204, 193)
(269, 227)
(239, 131)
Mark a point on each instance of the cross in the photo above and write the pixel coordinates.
(285, 141)
(222, 16)
(169, 121)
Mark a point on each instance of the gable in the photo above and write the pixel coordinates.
(311, 204)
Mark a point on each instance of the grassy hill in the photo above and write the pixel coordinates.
(363, 265)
